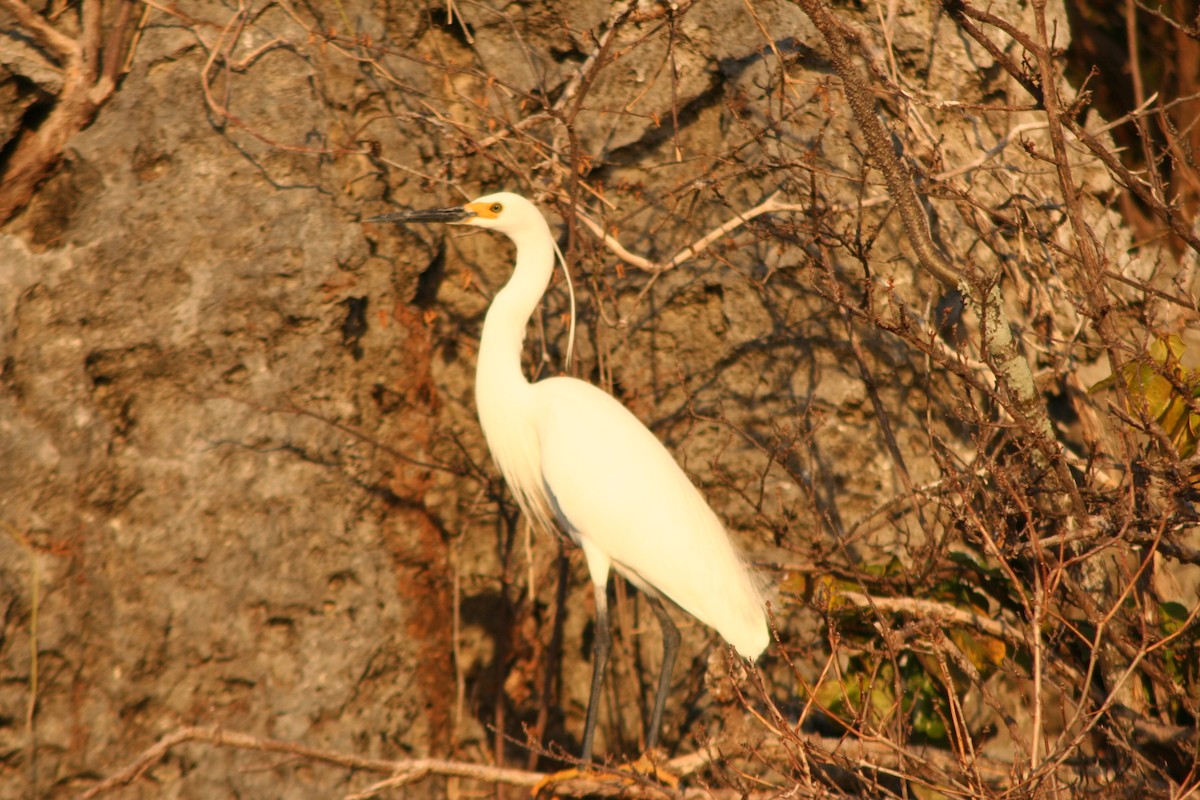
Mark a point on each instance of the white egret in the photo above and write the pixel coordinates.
(573, 455)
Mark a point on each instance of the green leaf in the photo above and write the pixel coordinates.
(1152, 389)
(1101, 385)
(1171, 616)
(1174, 417)
(1165, 349)
(830, 695)
(985, 652)
(927, 721)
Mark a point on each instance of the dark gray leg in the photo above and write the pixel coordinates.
(670, 636)
(600, 646)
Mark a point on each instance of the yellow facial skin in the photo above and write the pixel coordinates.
(484, 210)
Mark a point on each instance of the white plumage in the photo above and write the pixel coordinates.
(574, 456)
(613, 483)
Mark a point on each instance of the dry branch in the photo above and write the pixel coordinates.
(772, 205)
(91, 67)
(1012, 369)
(601, 782)
(941, 612)
(223, 738)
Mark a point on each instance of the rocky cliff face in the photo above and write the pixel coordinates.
(241, 481)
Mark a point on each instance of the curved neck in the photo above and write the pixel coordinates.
(504, 326)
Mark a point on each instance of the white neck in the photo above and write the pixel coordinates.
(498, 374)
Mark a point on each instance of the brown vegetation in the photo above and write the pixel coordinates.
(917, 319)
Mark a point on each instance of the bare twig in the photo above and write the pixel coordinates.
(599, 782)
(224, 738)
(1012, 370)
(933, 610)
(91, 66)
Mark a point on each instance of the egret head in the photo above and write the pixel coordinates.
(520, 221)
(503, 211)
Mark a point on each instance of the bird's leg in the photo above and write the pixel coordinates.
(601, 644)
(670, 636)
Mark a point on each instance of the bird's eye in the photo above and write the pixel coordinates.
(496, 208)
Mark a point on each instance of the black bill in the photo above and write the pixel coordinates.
(456, 214)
